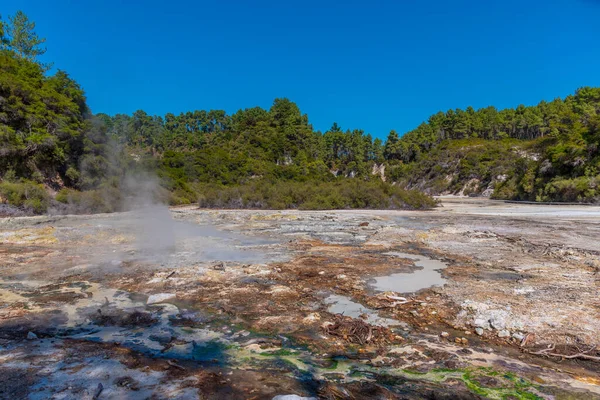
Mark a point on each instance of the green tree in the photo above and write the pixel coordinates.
(22, 37)
(3, 39)
(394, 149)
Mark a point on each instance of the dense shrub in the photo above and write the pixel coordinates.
(25, 194)
(340, 194)
(581, 189)
(90, 201)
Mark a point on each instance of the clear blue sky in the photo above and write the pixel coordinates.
(374, 65)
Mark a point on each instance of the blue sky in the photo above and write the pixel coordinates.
(373, 65)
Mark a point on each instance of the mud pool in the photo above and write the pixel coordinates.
(343, 305)
(477, 299)
(428, 275)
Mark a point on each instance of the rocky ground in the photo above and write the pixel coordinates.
(476, 299)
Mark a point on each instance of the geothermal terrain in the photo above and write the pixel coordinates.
(475, 299)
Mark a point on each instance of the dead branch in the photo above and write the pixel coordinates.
(549, 352)
(175, 365)
(99, 390)
(355, 330)
(394, 301)
(528, 338)
(170, 275)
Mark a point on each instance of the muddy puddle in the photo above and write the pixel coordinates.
(426, 275)
(345, 306)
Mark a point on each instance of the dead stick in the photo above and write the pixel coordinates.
(582, 354)
(170, 275)
(99, 390)
(175, 365)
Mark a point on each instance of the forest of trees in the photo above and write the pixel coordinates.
(54, 150)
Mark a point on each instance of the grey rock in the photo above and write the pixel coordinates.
(518, 336)
(31, 336)
(498, 322)
(503, 333)
(479, 331)
(249, 280)
(481, 323)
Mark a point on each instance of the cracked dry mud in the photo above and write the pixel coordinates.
(258, 304)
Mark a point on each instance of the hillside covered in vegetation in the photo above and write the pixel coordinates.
(547, 152)
(56, 153)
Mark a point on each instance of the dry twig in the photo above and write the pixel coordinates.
(170, 275)
(175, 365)
(99, 390)
(549, 351)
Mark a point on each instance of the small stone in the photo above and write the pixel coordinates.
(160, 297)
(321, 272)
(503, 333)
(341, 276)
(326, 325)
(415, 313)
(31, 336)
(313, 317)
(444, 334)
(518, 336)
(481, 323)
(467, 332)
(219, 267)
(479, 331)
(457, 340)
(498, 323)
(464, 340)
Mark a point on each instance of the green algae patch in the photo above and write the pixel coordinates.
(494, 385)
(278, 353)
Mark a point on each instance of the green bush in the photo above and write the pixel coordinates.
(314, 195)
(25, 194)
(104, 200)
(581, 189)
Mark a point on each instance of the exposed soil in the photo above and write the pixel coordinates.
(245, 304)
